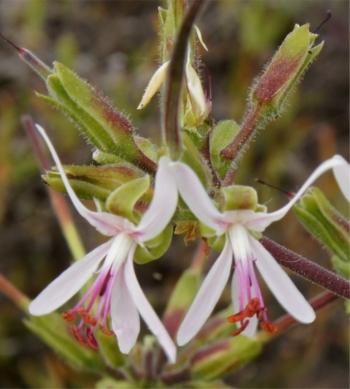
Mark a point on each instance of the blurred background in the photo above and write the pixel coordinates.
(113, 44)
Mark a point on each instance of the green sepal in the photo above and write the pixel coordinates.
(192, 157)
(220, 137)
(108, 349)
(239, 197)
(52, 330)
(216, 359)
(148, 148)
(341, 267)
(324, 222)
(122, 200)
(154, 248)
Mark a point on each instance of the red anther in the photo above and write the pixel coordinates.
(239, 316)
(91, 340)
(77, 335)
(82, 311)
(252, 307)
(69, 316)
(89, 319)
(241, 328)
(268, 327)
(106, 330)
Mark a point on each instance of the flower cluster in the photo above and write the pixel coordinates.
(116, 292)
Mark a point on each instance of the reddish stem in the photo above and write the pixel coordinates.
(15, 295)
(308, 269)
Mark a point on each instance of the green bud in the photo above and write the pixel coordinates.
(295, 54)
(219, 358)
(221, 136)
(122, 200)
(324, 222)
(181, 298)
(239, 197)
(92, 181)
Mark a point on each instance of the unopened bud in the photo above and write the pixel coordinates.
(286, 68)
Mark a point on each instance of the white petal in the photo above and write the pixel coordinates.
(68, 283)
(104, 222)
(342, 176)
(147, 312)
(207, 296)
(125, 318)
(196, 197)
(163, 204)
(195, 90)
(200, 38)
(252, 326)
(154, 85)
(281, 285)
(340, 168)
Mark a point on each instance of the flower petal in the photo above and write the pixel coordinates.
(342, 176)
(69, 282)
(252, 326)
(125, 318)
(104, 222)
(195, 91)
(196, 197)
(163, 204)
(154, 85)
(207, 296)
(341, 170)
(281, 285)
(146, 311)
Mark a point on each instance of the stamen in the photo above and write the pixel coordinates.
(106, 330)
(69, 315)
(268, 326)
(91, 340)
(252, 308)
(239, 330)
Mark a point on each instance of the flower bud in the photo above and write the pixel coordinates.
(286, 68)
(218, 358)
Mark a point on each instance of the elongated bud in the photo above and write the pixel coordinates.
(30, 59)
(325, 223)
(286, 68)
(218, 358)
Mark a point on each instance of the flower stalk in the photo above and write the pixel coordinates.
(308, 269)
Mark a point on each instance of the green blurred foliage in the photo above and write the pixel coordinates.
(105, 42)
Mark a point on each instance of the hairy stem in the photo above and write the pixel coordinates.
(244, 136)
(308, 269)
(58, 201)
(321, 300)
(173, 85)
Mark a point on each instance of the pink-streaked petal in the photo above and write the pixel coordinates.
(207, 296)
(340, 168)
(196, 197)
(154, 85)
(125, 317)
(104, 222)
(68, 283)
(342, 176)
(146, 311)
(281, 285)
(252, 326)
(163, 204)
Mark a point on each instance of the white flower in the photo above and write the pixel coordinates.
(115, 290)
(248, 254)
